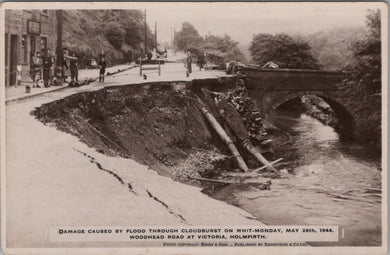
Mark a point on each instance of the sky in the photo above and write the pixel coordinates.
(242, 20)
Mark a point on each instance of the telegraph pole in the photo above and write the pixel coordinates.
(59, 48)
(174, 35)
(146, 39)
(155, 33)
(171, 38)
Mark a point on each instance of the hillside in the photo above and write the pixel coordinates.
(332, 47)
(85, 32)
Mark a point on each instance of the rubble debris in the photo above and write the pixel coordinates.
(201, 163)
(250, 114)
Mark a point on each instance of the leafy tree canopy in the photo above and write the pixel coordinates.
(127, 27)
(368, 54)
(283, 50)
(221, 43)
(115, 35)
(368, 50)
(187, 37)
(222, 46)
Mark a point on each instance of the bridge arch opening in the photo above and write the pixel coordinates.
(344, 125)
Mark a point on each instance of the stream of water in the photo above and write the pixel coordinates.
(329, 183)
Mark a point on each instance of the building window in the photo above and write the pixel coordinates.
(43, 42)
(24, 48)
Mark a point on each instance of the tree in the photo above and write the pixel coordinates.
(368, 50)
(133, 32)
(115, 35)
(374, 23)
(151, 42)
(187, 37)
(235, 54)
(365, 81)
(223, 46)
(221, 43)
(283, 50)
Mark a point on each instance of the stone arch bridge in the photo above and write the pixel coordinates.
(270, 88)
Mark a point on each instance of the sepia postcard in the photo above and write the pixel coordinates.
(194, 127)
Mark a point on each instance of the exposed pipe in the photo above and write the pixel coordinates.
(222, 134)
(257, 155)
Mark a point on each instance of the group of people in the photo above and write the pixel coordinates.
(201, 61)
(42, 66)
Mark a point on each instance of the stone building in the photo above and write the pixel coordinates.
(26, 31)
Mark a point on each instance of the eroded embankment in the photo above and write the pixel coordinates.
(157, 124)
(154, 124)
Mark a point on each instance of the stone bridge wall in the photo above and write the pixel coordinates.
(272, 88)
(268, 101)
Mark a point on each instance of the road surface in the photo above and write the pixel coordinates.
(51, 179)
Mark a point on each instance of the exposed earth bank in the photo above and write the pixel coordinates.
(159, 125)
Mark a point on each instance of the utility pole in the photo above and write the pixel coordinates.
(155, 32)
(60, 54)
(171, 38)
(146, 38)
(174, 35)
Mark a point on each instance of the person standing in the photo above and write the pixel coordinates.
(102, 71)
(74, 74)
(52, 69)
(65, 65)
(34, 69)
(188, 63)
(39, 68)
(46, 67)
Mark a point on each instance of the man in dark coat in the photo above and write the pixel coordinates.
(102, 71)
(46, 66)
(74, 72)
(188, 63)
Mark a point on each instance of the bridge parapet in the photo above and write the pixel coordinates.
(292, 79)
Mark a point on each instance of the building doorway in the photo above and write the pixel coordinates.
(13, 59)
(6, 59)
(32, 47)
